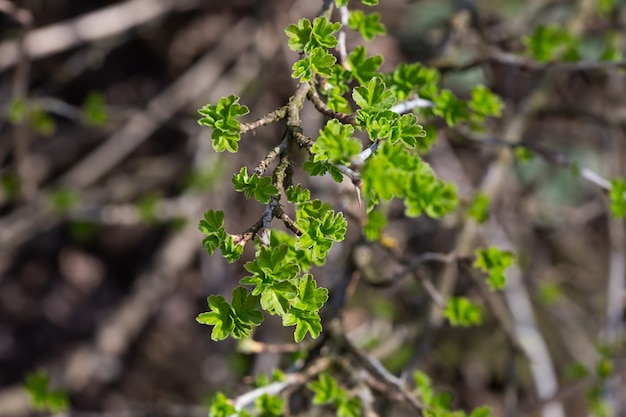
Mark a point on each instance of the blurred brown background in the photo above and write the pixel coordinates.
(101, 269)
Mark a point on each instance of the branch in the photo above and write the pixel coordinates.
(269, 118)
(322, 107)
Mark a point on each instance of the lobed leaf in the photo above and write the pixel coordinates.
(368, 25)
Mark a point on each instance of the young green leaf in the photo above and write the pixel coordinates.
(223, 119)
(305, 321)
(376, 220)
(309, 296)
(341, 3)
(325, 389)
(261, 189)
(494, 262)
(479, 208)
(369, 2)
(363, 68)
(221, 407)
(450, 108)
(617, 197)
(374, 95)
(462, 312)
(320, 168)
(335, 143)
(485, 103)
(94, 111)
(318, 62)
(270, 405)
(408, 78)
(483, 411)
(349, 407)
(44, 398)
(246, 307)
(221, 317)
(322, 62)
(368, 25)
(546, 41)
(423, 386)
(299, 34)
(407, 131)
(297, 194)
(231, 250)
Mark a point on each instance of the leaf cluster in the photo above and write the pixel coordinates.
(212, 226)
(494, 262)
(439, 404)
(42, 396)
(327, 391)
(222, 118)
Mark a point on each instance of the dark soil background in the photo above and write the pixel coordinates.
(101, 269)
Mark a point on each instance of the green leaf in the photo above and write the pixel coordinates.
(323, 33)
(147, 207)
(369, 2)
(297, 194)
(325, 389)
(450, 108)
(42, 397)
(494, 262)
(94, 111)
(318, 62)
(261, 189)
(483, 411)
(363, 68)
(305, 321)
(546, 42)
(479, 208)
(485, 103)
(374, 95)
(213, 227)
(271, 265)
(617, 198)
(231, 250)
(322, 62)
(341, 3)
(62, 200)
(462, 312)
(213, 222)
(320, 226)
(424, 387)
(246, 307)
(320, 168)
(42, 122)
(349, 407)
(18, 110)
(221, 317)
(605, 7)
(368, 25)
(299, 34)
(408, 78)
(407, 130)
(305, 36)
(270, 405)
(276, 296)
(376, 220)
(309, 296)
(223, 119)
(612, 47)
(221, 407)
(335, 143)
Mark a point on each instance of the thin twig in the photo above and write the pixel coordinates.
(322, 107)
(269, 118)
